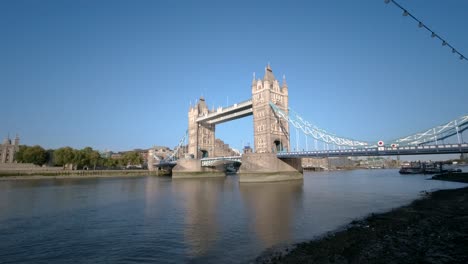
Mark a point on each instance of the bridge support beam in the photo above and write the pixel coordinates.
(266, 167)
(192, 168)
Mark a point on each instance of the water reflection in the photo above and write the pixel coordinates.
(200, 198)
(45, 196)
(160, 220)
(272, 208)
(154, 191)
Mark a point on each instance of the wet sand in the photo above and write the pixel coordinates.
(433, 229)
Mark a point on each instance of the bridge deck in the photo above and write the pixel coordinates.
(229, 113)
(380, 151)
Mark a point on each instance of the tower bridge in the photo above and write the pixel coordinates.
(272, 158)
(271, 134)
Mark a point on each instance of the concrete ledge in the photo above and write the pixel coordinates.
(270, 176)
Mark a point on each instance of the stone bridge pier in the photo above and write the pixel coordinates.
(266, 167)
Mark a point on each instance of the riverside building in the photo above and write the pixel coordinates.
(8, 150)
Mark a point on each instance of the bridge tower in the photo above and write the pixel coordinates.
(271, 133)
(201, 135)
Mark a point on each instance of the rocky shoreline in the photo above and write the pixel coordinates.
(433, 229)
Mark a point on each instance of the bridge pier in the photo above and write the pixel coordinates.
(192, 168)
(266, 167)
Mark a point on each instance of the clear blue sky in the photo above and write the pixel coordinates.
(120, 75)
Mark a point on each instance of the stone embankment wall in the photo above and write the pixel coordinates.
(26, 167)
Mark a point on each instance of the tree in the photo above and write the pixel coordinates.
(94, 158)
(50, 157)
(89, 157)
(132, 158)
(110, 163)
(79, 158)
(36, 155)
(64, 156)
(19, 155)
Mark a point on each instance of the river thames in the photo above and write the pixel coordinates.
(160, 220)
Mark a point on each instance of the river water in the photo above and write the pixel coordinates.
(160, 220)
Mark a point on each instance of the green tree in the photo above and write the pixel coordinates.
(50, 157)
(109, 162)
(122, 162)
(95, 158)
(79, 158)
(64, 156)
(36, 155)
(89, 157)
(132, 158)
(19, 155)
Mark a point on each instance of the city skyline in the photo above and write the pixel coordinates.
(120, 76)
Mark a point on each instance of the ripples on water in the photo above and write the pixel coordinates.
(160, 220)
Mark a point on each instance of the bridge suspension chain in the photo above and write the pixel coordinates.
(317, 133)
(438, 133)
(182, 142)
(435, 134)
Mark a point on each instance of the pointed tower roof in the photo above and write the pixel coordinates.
(285, 84)
(268, 74)
(7, 141)
(202, 105)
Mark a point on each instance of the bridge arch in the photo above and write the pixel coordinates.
(204, 153)
(278, 145)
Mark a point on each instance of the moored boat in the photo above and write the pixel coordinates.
(411, 168)
(424, 168)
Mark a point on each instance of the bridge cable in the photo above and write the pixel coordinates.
(435, 134)
(172, 157)
(317, 133)
(441, 132)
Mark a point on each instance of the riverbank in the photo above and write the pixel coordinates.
(67, 174)
(452, 176)
(433, 229)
